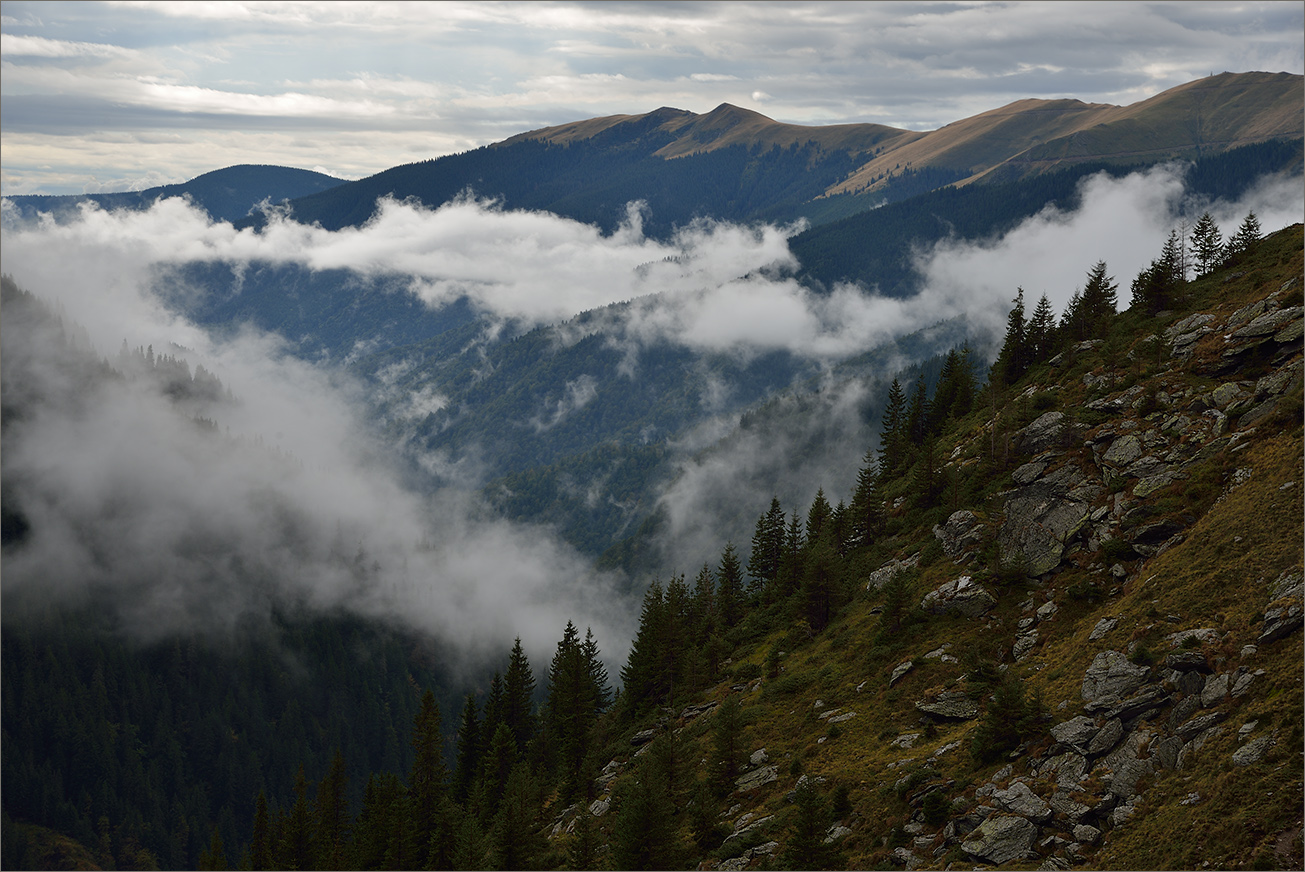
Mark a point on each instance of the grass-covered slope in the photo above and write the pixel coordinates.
(1136, 704)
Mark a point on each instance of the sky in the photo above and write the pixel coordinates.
(105, 96)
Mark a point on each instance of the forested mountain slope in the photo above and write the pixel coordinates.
(228, 194)
(1058, 623)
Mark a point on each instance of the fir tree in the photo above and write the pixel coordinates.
(332, 815)
(767, 545)
(1207, 244)
(892, 436)
(469, 741)
(1155, 287)
(1243, 240)
(260, 847)
(1041, 331)
(1100, 299)
(729, 587)
(1013, 358)
(426, 782)
(867, 509)
(806, 848)
(519, 697)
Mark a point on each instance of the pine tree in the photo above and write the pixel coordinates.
(1207, 244)
(917, 413)
(598, 682)
(582, 852)
(1243, 240)
(1013, 358)
(519, 697)
(570, 710)
(640, 674)
(495, 709)
(767, 546)
(426, 783)
(818, 516)
(806, 848)
(1100, 299)
(821, 580)
(1155, 287)
(515, 842)
(867, 510)
(332, 816)
(729, 587)
(892, 436)
(500, 757)
(260, 846)
(727, 745)
(469, 741)
(297, 834)
(1041, 331)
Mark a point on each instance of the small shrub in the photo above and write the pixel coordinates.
(842, 802)
(834, 731)
(936, 808)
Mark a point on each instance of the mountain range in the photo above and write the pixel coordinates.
(1054, 618)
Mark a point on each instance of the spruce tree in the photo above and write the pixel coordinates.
(1013, 358)
(767, 546)
(729, 587)
(867, 509)
(818, 516)
(332, 815)
(1244, 239)
(469, 748)
(426, 782)
(260, 846)
(1207, 244)
(1041, 331)
(1099, 300)
(892, 436)
(640, 674)
(519, 697)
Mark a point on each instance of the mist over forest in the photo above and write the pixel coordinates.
(297, 487)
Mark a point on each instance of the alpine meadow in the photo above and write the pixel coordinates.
(663, 490)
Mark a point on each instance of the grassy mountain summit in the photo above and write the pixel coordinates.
(736, 164)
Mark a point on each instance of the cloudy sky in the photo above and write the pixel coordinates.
(125, 95)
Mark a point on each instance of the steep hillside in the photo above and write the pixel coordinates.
(1074, 641)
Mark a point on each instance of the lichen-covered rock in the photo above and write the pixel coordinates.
(1020, 799)
(881, 576)
(1123, 451)
(1039, 522)
(1253, 751)
(950, 704)
(1110, 677)
(1103, 626)
(962, 532)
(1048, 431)
(1106, 737)
(757, 778)
(961, 596)
(1000, 839)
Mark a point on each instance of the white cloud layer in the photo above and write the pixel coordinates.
(127, 498)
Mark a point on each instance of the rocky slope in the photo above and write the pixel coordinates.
(1100, 661)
